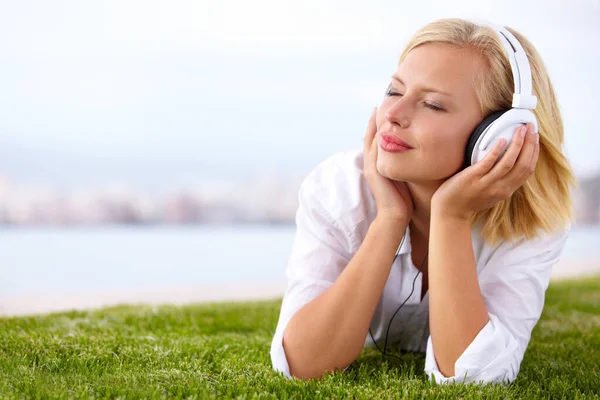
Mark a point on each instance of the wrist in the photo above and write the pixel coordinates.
(394, 225)
(441, 210)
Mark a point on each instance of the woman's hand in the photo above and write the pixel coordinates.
(484, 184)
(393, 199)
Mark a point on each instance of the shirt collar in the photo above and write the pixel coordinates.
(405, 247)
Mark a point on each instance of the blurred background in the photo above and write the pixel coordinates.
(146, 144)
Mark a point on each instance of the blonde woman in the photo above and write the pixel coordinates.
(410, 244)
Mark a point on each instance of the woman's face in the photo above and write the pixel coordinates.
(431, 105)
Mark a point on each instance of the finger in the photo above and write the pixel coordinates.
(508, 160)
(523, 167)
(483, 166)
(371, 130)
(536, 154)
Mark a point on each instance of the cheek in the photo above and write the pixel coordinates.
(379, 117)
(382, 109)
(443, 141)
(445, 149)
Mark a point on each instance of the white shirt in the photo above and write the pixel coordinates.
(336, 207)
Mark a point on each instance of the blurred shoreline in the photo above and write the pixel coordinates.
(32, 304)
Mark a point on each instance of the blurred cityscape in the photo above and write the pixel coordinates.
(264, 201)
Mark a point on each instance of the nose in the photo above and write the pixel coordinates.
(399, 112)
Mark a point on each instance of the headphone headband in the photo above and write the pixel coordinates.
(519, 64)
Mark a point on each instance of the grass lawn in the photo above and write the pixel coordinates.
(222, 351)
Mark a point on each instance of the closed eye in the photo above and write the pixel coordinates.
(430, 106)
(389, 91)
(434, 107)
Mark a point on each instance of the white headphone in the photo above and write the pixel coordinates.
(502, 124)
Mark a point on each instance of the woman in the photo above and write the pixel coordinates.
(401, 244)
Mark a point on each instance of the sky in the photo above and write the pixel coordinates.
(166, 93)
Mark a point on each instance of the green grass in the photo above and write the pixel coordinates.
(222, 351)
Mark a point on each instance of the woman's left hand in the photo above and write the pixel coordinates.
(484, 184)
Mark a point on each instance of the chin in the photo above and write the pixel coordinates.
(401, 173)
(396, 172)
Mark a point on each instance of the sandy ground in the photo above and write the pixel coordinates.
(45, 303)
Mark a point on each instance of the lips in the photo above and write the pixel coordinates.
(395, 139)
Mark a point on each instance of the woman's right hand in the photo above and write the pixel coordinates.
(393, 198)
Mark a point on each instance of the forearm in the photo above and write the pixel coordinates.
(457, 311)
(329, 332)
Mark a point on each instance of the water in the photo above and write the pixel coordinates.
(55, 260)
(116, 258)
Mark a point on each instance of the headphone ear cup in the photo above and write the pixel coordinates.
(503, 126)
(477, 132)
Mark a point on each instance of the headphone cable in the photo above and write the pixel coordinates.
(384, 351)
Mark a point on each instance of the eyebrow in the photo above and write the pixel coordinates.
(423, 88)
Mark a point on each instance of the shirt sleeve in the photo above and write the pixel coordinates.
(513, 284)
(320, 252)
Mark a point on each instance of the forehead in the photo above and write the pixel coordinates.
(443, 67)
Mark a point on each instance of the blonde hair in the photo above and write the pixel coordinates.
(544, 201)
